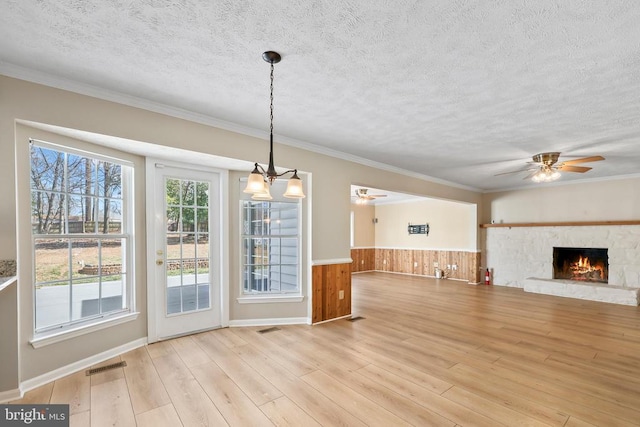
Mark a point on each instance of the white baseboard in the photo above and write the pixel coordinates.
(9, 395)
(43, 379)
(270, 322)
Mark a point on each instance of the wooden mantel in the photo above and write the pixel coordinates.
(559, 224)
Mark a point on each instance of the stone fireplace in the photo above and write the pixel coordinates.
(525, 257)
(581, 264)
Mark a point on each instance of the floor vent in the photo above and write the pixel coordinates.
(272, 329)
(353, 319)
(105, 368)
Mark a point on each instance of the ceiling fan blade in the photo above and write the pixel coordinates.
(584, 160)
(375, 196)
(521, 170)
(530, 175)
(580, 169)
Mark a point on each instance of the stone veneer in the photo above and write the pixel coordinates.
(518, 254)
(7, 267)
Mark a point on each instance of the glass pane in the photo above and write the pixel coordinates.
(115, 217)
(202, 193)
(85, 298)
(84, 258)
(112, 253)
(47, 212)
(174, 302)
(188, 245)
(51, 260)
(189, 298)
(188, 193)
(203, 297)
(75, 215)
(189, 271)
(47, 169)
(112, 293)
(109, 180)
(288, 248)
(79, 176)
(202, 250)
(174, 250)
(203, 219)
(52, 304)
(188, 219)
(109, 215)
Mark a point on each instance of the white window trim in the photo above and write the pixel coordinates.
(268, 298)
(48, 338)
(65, 332)
(273, 297)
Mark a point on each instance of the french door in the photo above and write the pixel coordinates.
(184, 250)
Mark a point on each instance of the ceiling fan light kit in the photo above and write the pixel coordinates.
(260, 179)
(362, 196)
(548, 168)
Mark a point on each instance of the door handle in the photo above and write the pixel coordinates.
(159, 262)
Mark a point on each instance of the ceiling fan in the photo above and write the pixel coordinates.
(362, 195)
(547, 168)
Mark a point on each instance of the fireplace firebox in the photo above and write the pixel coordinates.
(581, 264)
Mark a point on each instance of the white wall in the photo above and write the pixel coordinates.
(592, 201)
(364, 228)
(452, 225)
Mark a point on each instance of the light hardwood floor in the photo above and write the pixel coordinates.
(426, 353)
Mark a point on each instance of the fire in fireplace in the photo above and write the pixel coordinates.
(583, 264)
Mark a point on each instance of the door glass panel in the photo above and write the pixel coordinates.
(187, 246)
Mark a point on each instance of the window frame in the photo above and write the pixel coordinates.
(65, 330)
(271, 296)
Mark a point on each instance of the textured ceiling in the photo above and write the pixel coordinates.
(456, 90)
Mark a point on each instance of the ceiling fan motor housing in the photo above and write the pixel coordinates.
(547, 159)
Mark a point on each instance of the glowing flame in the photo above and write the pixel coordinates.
(584, 263)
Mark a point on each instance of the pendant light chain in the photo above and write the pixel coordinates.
(271, 106)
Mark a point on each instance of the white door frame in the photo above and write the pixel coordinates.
(152, 219)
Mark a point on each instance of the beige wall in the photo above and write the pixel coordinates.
(329, 199)
(364, 229)
(452, 226)
(594, 201)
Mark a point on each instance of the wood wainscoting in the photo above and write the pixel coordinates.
(417, 261)
(328, 281)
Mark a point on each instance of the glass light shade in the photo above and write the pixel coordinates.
(265, 194)
(546, 175)
(255, 183)
(538, 177)
(294, 188)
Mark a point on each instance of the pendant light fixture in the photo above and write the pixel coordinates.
(260, 179)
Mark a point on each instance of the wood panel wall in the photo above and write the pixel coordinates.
(364, 259)
(328, 281)
(418, 262)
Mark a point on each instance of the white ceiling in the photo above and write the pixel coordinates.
(458, 91)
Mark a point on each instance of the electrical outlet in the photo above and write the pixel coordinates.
(362, 262)
(448, 266)
(415, 264)
(341, 294)
(454, 267)
(384, 261)
(435, 264)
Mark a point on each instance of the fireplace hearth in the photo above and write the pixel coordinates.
(581, 264)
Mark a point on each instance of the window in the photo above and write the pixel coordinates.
(270, 247)
(81, 239)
